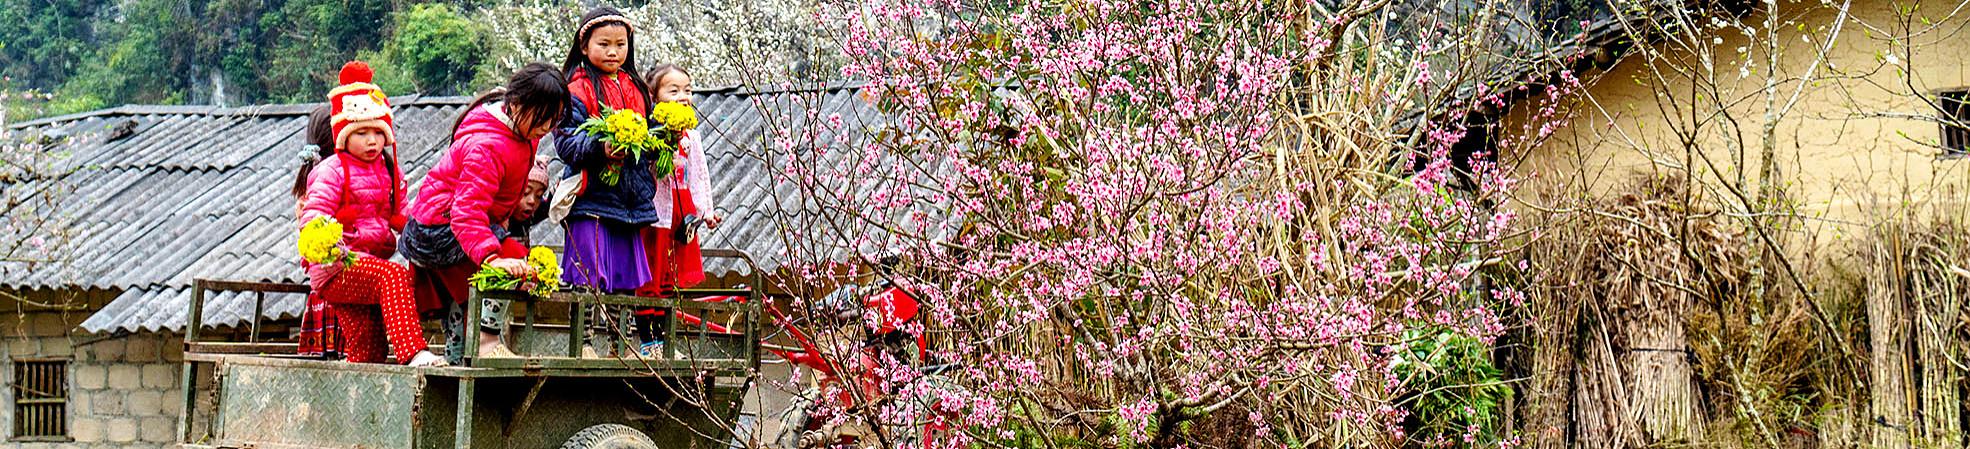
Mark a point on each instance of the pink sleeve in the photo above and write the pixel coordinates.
(700, 161)
(324, 195)
(476, 184)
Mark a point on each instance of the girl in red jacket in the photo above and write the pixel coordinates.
(604, 247)
(457, 223)
(362, 187)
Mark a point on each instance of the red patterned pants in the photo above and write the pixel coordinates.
(372, 299)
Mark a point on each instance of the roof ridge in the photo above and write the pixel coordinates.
(268, 109)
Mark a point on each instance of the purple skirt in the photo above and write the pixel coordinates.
(604, 255)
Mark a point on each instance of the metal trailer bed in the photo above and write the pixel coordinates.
(259, 395)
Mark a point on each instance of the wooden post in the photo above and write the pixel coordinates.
(467, 387)
(528, 331)
(625, 330)
(186, 380)
(577, 327)
(259, 308)
(470, 329)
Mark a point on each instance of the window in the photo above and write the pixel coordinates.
(1955, 117)
(40, 399)
(1466, 153)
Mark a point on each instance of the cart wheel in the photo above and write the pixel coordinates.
(609, 436)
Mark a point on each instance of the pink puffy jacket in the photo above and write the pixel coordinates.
(366, 197)
(478, 182)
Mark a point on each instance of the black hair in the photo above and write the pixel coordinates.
(536, 93)
(322, 136)
(577, 60)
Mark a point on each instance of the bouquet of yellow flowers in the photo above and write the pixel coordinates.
(676, 118)
(321, 242)
(546, 279)
(629, 131)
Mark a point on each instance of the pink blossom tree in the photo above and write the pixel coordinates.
(1211, 223)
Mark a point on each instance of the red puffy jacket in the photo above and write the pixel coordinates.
(479, 180)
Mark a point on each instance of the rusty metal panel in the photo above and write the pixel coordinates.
(709, 346)
(317, 406)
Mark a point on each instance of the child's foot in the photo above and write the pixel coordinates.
(495, 350)
(491, 346)
(426, 358)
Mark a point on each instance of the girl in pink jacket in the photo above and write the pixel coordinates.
(458, 221)
(361, 186)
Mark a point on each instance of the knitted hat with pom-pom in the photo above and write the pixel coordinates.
(357, 104)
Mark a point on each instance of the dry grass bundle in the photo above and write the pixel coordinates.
(1655, 329)
(1613, 283)
(1916, 292)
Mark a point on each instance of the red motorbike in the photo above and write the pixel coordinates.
(853, 372)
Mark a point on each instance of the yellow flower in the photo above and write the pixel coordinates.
(545, 262)
(318, 240)
(627, 128)
(676, 116)
(547, 270)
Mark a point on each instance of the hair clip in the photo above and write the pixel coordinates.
(310, 153)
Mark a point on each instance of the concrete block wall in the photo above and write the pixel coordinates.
(123, 390)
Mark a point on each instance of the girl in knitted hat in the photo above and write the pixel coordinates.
(361, 186)
(611, 206)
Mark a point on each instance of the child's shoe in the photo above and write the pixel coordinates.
(496, 350)
(650, 349)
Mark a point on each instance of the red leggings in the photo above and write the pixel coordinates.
(355, 296)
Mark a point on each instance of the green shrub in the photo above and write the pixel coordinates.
(1454, 389)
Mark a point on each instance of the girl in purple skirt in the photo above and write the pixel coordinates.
(604, 245)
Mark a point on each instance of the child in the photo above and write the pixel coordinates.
(605, 251)
(494, 313)
(318, 332)
(536, 195)
(682, 200)
(362, 187)
(457, 223)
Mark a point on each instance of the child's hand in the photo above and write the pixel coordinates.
(516, 267)
(610, 150)
(712, 222)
